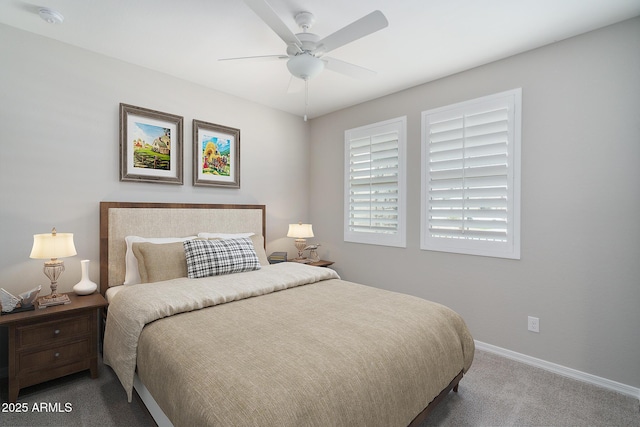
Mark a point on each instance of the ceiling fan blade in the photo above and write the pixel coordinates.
(256, 58)
(347, 68)
(271, 18)
(364, 26)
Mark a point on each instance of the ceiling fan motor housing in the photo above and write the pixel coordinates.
(308, 43)
(305, 20)
(303, 64)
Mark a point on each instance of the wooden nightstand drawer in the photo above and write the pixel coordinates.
(54, 331)
(54, 356)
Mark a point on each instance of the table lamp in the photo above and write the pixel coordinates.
(301, 232)
(52, 246)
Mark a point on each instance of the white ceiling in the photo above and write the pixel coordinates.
(425, 39)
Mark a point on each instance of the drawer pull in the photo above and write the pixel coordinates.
(56, 332)
(56, 355)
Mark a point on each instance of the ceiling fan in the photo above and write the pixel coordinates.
(305, 51)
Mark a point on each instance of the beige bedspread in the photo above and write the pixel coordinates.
(326, 353)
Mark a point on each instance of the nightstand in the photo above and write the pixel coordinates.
(321, 263)
(53, 342)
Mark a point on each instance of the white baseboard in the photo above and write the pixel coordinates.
(561, 370)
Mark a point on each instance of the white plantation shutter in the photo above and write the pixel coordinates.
(471, 177)
(373, 174)
(374, 183)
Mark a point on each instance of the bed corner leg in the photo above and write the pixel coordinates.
(456, 381)
(453, 385)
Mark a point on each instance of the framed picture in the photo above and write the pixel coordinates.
(216, 155)
(150, 146)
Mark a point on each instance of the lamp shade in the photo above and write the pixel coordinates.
(300, 231)
(52, 245)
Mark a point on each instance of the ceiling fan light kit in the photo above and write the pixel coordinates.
(305, 50)
(305, 66)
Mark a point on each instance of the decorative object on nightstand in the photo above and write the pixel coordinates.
(27, 298)
(8, 301)
(301, 232)
(313, 253)
(277, 257)
(85, 286)
(16, 304)
(53, 246)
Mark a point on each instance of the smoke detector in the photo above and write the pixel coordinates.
(50, 15)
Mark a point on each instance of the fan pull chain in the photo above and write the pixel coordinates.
(306, 98)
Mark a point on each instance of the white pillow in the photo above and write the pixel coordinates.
(132, 275)
(224, 235)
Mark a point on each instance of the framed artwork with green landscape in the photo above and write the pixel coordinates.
(216, 155)
(150, 146)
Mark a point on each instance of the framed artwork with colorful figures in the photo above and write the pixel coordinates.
(216, 155)
(150, 146)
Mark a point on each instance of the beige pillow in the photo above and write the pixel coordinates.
(160, 261)
(258, 245)
(132, 275)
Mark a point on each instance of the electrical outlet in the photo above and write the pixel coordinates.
(534, 324)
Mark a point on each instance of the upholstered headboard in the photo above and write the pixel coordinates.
(121, 219)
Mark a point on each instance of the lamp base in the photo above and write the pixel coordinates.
(53, 269)
(51, 300)
(300, 245)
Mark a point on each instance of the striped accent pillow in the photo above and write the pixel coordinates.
(217, 257)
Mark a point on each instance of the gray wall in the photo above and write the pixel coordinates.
(60, 155)
(59, 152)
(580, 266)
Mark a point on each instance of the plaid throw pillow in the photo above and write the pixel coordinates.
(216, 257)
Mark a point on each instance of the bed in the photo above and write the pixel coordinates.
(267, 345)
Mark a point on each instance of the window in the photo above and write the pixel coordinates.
(471, 177)
(375, 183)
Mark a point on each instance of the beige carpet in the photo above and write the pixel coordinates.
(502, 392)
(496, 392)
